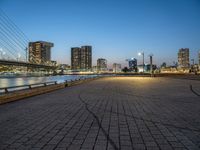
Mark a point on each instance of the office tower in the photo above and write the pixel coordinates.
(183, 57)
(81, 58)
(40, 52)
(117, 68)
(132, 63)
(101, 64)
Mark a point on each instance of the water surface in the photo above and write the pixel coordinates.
(16, 81)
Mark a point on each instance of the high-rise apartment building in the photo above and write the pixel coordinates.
(101, 64)
(81, 58)
(183, 57)
(40, 52)
(75, 58)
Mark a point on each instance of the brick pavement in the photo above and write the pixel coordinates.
(108, 113)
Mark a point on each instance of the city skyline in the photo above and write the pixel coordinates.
(117, 30)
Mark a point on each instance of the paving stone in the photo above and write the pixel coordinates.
(109, 113)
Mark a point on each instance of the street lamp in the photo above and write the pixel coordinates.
(151, 64)
(2, 53)
(142, 53)
(18, 58)
(26, 54)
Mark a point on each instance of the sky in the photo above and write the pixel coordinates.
(116, 29)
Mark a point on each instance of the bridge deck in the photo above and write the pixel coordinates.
(25, 64)
(108, 113)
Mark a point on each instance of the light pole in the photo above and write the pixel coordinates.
(1, 51)
(26, 54)
(151, 63)
(18, 58)
(142, 53)
(4, 53)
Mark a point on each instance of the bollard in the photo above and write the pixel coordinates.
(45, 84)
(66, 83)
(29, 86)
(6, 90)
(55, 82)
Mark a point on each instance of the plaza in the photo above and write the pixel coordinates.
(140, 113)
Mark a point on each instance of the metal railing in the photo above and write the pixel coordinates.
(6, 90)
(26, 86)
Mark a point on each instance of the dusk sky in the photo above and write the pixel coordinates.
(116, 29)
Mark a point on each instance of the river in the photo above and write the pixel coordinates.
(16, 81)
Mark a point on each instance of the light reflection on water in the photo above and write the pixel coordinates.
(8, 82)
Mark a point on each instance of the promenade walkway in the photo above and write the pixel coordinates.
(108, 113)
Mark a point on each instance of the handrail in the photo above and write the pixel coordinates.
(28, 85)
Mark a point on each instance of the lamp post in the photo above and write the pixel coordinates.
(151, 64)
(18, 58)
(2, 53)
(26, 54)
(142, 53)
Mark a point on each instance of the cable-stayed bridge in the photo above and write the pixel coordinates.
(13, 45)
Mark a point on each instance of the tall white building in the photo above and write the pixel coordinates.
(117, 68)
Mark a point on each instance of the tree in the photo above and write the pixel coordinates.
(125, 69)
(164, 65)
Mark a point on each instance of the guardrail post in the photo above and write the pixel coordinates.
(66, 83)
(55, 82)
(29, 86)
(45, 84)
